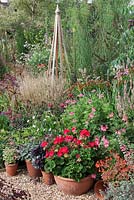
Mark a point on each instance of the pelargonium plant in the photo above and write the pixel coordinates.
(114, 168)
(71, 154)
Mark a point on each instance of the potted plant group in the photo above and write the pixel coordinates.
(38, 159)
(70, 158)
(114, 170)
(26, 154)
(11, 157)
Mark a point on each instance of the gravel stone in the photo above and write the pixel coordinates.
(38, 190)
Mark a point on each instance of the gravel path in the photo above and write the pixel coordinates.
(37, 189)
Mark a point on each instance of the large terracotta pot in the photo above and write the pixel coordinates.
(72, 187)
(11, 169)
(33, 172)
(99, 187)
(48, 178)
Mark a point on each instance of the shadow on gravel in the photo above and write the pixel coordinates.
(8, 192)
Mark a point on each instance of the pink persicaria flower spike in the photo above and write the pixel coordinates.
(104, 128)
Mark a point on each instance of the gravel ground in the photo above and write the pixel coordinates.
(37, 189)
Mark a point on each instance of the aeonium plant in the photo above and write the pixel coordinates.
(71, 155)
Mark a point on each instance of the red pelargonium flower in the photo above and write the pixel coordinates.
(77, 155)
(73, 129)
(66, 131)
(70, 95)
(58, 140)
(68, 138)
(62, 151)
(49, 153)
(84, 133)
(77, 141)
(92, 144)
(44, 144)
(62, 105)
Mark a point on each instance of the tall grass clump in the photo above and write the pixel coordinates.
(40, 91)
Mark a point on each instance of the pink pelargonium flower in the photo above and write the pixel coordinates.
(105, 142)
(123, 148)
(111, 115)
(50, 105)
(93, 176)
(91, 115)
(97, 141)
(90, 101)
(104, 128)
(71, 113)
(68, 101)
(66, 131)
(44, 144)
(125, 118)
(118, 132)
(73, 102)
(81, 95)
(84, 133)
(62, 105)
(93, 109)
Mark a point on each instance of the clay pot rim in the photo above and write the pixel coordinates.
(10, 164)
(72, 180)
(28, 160)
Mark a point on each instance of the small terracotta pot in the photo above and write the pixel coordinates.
(98, 188)
(11, 169)
(48, 178)
(32, 171)
(72, 187)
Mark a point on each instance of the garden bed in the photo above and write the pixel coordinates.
(36, 190)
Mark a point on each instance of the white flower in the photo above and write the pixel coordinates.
(33, 117)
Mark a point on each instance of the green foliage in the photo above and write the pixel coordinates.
(20, 40)
(10, 155)
(4, 122)
(4, 137)
(124, 190)
(38, 59)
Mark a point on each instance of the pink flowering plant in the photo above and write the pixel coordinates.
(97, 114)
(71, 154)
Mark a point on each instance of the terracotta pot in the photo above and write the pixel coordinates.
(48, 178)
(98, 188)
(72, 187)
(33, 172)
(11, 169)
